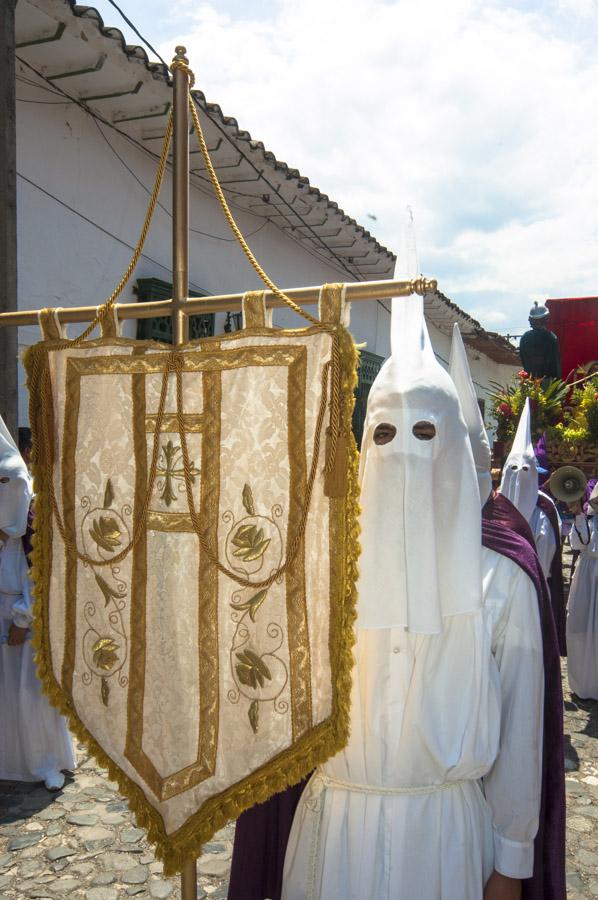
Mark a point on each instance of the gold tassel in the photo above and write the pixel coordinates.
(335, 477)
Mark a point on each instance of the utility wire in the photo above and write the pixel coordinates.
(138, 33)
(340, 260)
(100, 227)
(208, 190)
(43, 102)
(250, 162)
(216, 237)
(90, 112)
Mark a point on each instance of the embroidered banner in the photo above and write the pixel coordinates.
(195, 560)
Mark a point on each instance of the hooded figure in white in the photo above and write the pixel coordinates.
(34, 742)
(470, 408)
(582, 620)
(520, 484)
(400, 813)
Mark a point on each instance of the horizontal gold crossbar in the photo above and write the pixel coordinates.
(305, 296)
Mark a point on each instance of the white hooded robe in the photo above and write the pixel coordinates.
(35, 744)
(519, 484)
(420, 805)
(582, 620)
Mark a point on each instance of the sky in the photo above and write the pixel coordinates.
(480, 115)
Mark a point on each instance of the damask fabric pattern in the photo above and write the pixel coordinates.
(207, 672)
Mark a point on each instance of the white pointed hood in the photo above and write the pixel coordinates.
(15, 493)
(461, 374)
(420, 522)
(520, 472)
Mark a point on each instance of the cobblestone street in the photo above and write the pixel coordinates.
(581, 763)
(84, 842)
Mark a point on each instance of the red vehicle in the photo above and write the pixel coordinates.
(574, 320)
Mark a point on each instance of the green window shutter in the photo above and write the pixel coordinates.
(369, 366)
(160, 328)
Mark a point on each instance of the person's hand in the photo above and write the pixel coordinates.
(499, 887)
(575, 507)
(17, 636)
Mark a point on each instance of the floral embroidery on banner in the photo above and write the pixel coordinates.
(254, 547)
(104, 642)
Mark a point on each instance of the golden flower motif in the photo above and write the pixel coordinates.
(105, 655)
(251, 670)
(106, 533)
(250, 543)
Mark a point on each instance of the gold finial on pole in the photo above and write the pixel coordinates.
(180, 196)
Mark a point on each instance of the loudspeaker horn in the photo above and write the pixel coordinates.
(568, 483)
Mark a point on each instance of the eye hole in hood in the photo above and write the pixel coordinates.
(424, 431)
(384, 433)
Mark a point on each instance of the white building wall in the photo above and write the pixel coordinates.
(80, 211)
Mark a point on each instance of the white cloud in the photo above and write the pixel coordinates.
(477, 114)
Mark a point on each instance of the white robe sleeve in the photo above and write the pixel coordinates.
(545, 539)
(581, 527)
(513, 785)
(22, 608)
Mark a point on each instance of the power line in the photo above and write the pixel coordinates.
(259, 172)
(216, 237)
(90, 112)
(42, 87)
(340, 260)
(98, 118)
(138, 33)
(43, 102)
(99, 227)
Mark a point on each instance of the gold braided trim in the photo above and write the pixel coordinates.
(322, 742)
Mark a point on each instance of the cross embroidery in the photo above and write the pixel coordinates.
(170, 463)
(170, 468)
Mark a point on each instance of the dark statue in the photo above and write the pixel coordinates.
(539, 347)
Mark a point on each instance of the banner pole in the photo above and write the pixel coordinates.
(180, 272)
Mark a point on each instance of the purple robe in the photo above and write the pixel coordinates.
(505, 531)
(555, 579)
(263, 831)
(585, 500)
(27, 537)
(541, 453)
(261, 839)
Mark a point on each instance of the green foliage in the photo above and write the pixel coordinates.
(546, 397)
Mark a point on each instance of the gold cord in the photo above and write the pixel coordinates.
(235, 228)
(331, 372)
(103, 310)
(174, 364)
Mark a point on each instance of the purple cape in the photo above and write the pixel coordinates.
(555, 579)
(262, 832)
(505, 531)
(26, 539)
(585, 500)
(261, 838)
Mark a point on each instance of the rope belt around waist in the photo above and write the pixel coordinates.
(321, 782)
